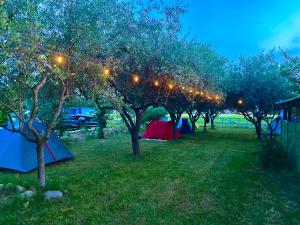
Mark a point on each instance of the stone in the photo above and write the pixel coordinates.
(53, 195)
(20, 189)
(28, 194)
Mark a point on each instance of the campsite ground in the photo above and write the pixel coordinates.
(211, 178)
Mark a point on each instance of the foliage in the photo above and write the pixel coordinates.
(291, 69)
(154, 114)
(253, 86)
(3, 118)
(275, 157)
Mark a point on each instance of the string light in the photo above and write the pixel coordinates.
(240, 102)
(156, 83)
(171, 86)
(106, 71)
(136, 78)
(59, 59)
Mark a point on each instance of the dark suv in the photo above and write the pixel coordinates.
(76, 117)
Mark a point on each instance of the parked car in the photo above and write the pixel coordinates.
(76, 117)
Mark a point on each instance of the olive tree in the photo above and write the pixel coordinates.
(142, 60)
(253, 87)
(45, 45)
(291, 69)
(31, 77)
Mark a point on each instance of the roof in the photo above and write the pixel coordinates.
(290, 102)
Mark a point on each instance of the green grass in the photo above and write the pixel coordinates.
(211, 178)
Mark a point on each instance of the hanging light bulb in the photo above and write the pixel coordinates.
(106, 71)
(240, 102)
(156, 83)
(171, 86)
(136, 78)
(59, 59)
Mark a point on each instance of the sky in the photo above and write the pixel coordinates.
(244, 27)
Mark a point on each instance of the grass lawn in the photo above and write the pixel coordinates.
(211, 178)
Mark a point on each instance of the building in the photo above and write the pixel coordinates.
(290, 128)
(291, 109)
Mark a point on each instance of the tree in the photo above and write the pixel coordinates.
(207, 66)
(41, 56)
(85, 32)
(30, 74)
(291, 70)
(253, 87)
(141, 61)
(195, 110)
(175, 105)
(215, 109)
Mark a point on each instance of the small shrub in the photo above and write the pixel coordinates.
(3, 118)
(275, 157)
(10, 187)
(154, 114)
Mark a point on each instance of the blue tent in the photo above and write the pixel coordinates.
(17, 153)
(185, 127)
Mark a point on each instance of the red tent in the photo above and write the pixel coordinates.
(162, 130)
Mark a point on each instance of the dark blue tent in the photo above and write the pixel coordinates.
(185, 127)
(17, 153)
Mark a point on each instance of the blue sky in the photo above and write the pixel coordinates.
(245, 27)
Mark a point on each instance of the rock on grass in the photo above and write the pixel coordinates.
(53, 195)
(27, 194)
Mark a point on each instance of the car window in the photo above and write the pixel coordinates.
(86, 111)
(73, 111)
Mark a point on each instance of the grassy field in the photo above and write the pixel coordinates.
(211, 178)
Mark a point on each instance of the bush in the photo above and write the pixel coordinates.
(154, 114)
(3, 119)
(275, 157)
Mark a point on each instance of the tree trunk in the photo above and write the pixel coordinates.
(193, 126)
(41, 166)
(100, 132)
(258, 129)
(175, 121)
(174, 131)
(212, 123)
(101, 123)
(204, 127)
(135, 142)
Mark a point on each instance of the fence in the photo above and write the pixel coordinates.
(290, 139)
(231, 122)
(219, 122)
